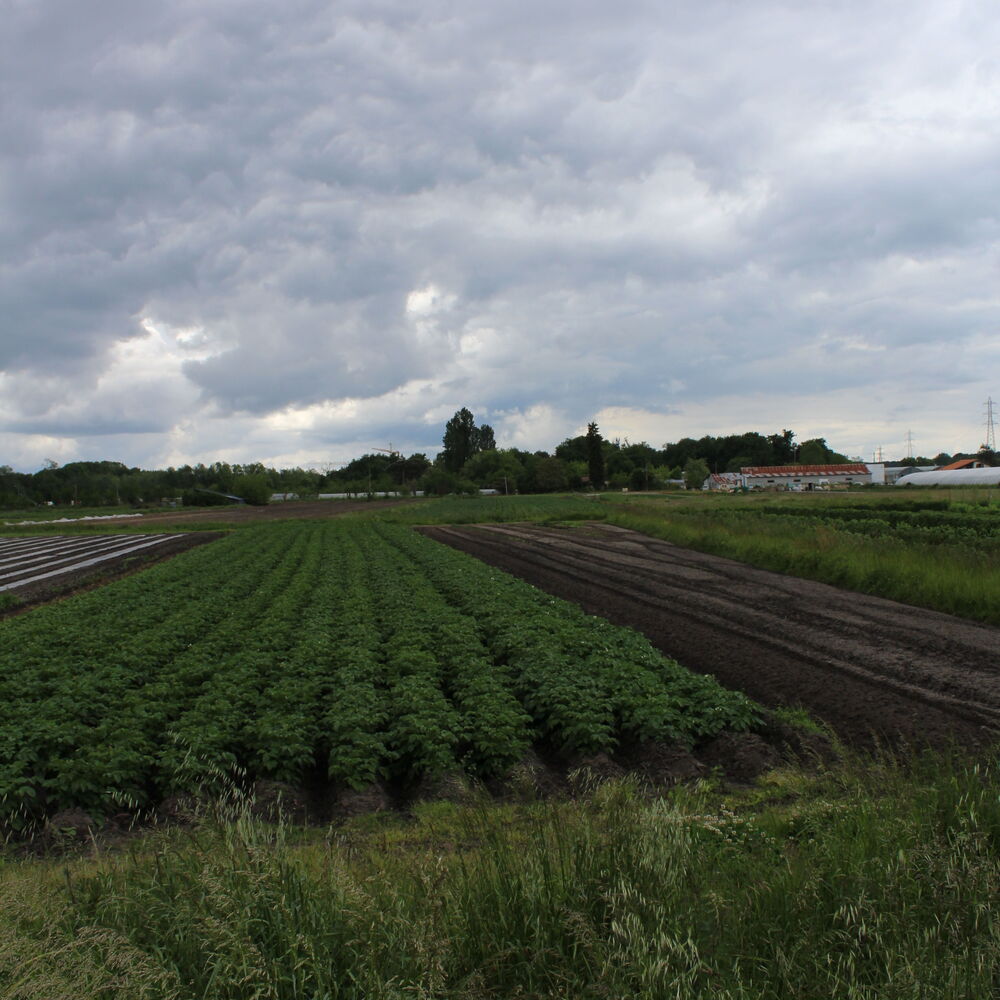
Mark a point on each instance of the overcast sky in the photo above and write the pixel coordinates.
(239, 230)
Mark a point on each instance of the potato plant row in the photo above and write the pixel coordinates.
(346, 651)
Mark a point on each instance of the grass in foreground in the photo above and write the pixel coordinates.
(872, 880)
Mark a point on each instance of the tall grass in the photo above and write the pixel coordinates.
(876, 880)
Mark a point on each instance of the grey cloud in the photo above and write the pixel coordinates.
(648, 204)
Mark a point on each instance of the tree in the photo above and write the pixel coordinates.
(485, 439)
(413, 467)
(695, 473)
(988, 456)
(499, 470)
(815, 451)
(440, 482)
(573, 449)
(595, 456)
(255, 488)
(782, 448)
(550, 474)
(463, 439)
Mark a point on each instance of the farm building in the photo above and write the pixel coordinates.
(805, 477)
(962, 463)
(952, 477)
(725, 481)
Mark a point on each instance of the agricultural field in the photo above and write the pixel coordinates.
(38, 569)
(969, 518)
(874, 670)
(27, 561)
(355, 653)
(330, 653)
(933, 548)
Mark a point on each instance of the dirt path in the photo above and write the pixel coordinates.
(869, 667)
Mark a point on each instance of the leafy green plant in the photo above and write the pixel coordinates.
(355, 649)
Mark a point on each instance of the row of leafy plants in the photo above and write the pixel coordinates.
(348, 652)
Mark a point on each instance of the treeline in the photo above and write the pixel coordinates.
(102, 484)
(466, 463)
(469, 461)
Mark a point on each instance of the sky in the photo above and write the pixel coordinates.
(291, 233)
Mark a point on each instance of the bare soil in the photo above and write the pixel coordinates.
(874, 670)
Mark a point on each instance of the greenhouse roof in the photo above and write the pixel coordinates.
(952, 477)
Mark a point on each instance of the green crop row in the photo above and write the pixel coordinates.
(319, 651)
(981, 522)
(585, 681)
(923, 527)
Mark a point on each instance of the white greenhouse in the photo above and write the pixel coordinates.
(952, 477)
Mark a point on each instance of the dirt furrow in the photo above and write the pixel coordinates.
(834, 622)
(775, 609)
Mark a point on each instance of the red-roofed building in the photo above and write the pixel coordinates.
(805, 477)
(963, 463)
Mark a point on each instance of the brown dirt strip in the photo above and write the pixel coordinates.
(873, 669)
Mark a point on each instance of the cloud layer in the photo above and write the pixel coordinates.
(235, 231)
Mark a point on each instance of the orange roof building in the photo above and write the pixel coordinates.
(962, 463)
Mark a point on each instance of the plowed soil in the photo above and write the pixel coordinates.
(874, 670)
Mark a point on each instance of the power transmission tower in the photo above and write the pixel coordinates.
(909, 445)
(991, 433)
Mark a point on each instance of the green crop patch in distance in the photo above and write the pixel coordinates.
(936, 552)
(497, 509)
(342, 651)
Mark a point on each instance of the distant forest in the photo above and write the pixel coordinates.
(469, 460)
